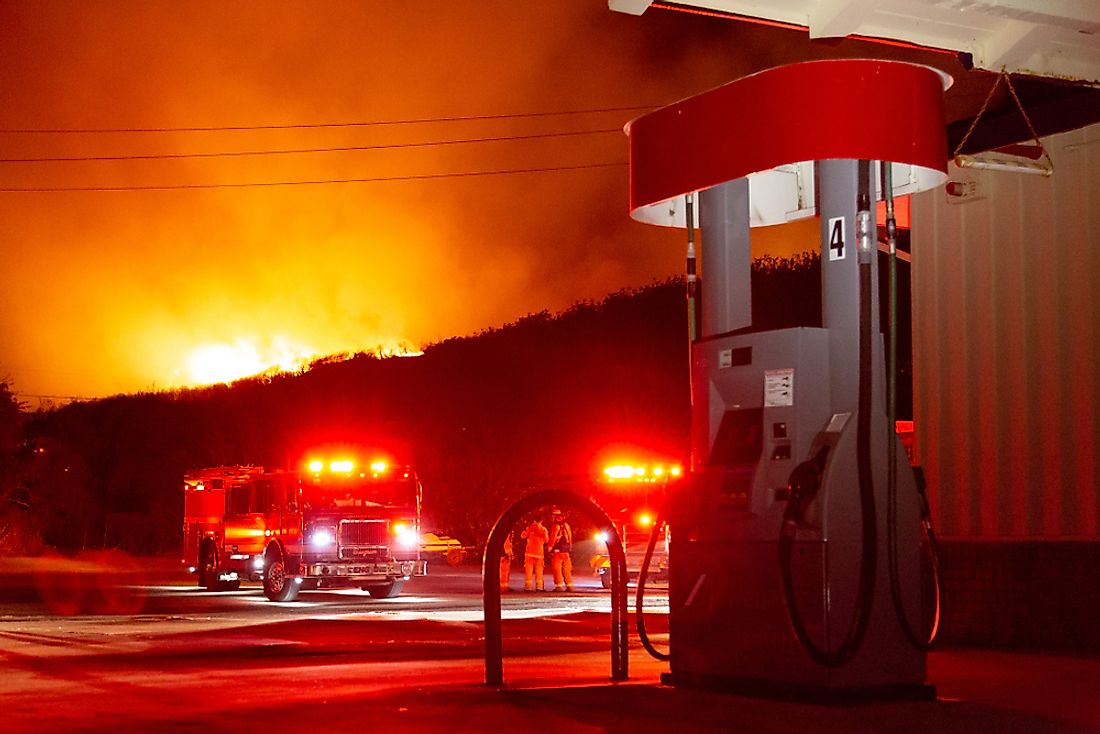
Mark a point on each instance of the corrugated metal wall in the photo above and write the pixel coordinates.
(1006, 339)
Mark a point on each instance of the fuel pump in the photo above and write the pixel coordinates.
(777, 577)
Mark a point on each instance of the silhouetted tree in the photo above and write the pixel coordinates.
(484, 418)
(17, 532)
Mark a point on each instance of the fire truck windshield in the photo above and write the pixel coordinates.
(329, 492)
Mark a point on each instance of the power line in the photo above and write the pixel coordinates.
(295, 151)
(317, 182)
(318, 125)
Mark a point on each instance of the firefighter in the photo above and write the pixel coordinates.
(561, 544)
(506, 563)
(534, 554)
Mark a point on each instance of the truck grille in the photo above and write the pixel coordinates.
(362, 538)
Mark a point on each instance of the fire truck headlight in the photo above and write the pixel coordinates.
(405, 535)
(258, 563)
(322, 538)
(602, 536)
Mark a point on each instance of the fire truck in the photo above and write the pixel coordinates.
(631, 494)
(334, 524)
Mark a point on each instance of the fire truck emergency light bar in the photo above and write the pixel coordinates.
(345, 466)
(639, 473)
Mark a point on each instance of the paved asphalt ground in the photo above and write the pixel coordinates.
(979, 692)
(398, 673)
(406, 676)
(999, 693)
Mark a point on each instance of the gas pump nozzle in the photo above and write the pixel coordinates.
(802, 487)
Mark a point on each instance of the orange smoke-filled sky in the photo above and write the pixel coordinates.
(106, 291)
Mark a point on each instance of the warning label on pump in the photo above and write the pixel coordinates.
(778, 388)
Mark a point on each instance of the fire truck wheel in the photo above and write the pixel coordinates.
(456, 556)
(388, 590)
(278, 586)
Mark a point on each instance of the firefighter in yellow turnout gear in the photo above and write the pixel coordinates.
(533, 557)
(561, 543)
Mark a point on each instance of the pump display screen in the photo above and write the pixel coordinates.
(740, 438)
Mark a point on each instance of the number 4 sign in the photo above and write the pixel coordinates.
(837, 239)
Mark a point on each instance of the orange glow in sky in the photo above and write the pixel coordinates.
(190, 191)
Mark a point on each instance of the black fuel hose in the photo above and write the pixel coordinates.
(639, 597)
(869, 557)
(921, 643)
(924, 642)
(806, 479)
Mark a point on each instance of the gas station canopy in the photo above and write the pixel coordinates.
(1052, 38)
(814, 110)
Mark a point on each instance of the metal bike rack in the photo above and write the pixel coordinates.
(490, 571)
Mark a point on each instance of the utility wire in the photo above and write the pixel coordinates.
(317, 182)
(309, 126)
(295, 151)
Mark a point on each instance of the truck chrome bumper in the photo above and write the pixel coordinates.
(354, 569)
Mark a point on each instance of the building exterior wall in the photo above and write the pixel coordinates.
(1020, 594)
(1006, 340)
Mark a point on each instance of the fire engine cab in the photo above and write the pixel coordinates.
(632, 494)
(335, 524)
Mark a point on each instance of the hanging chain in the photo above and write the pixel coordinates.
(1030, 127)
(974, 122)
(985, 105)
